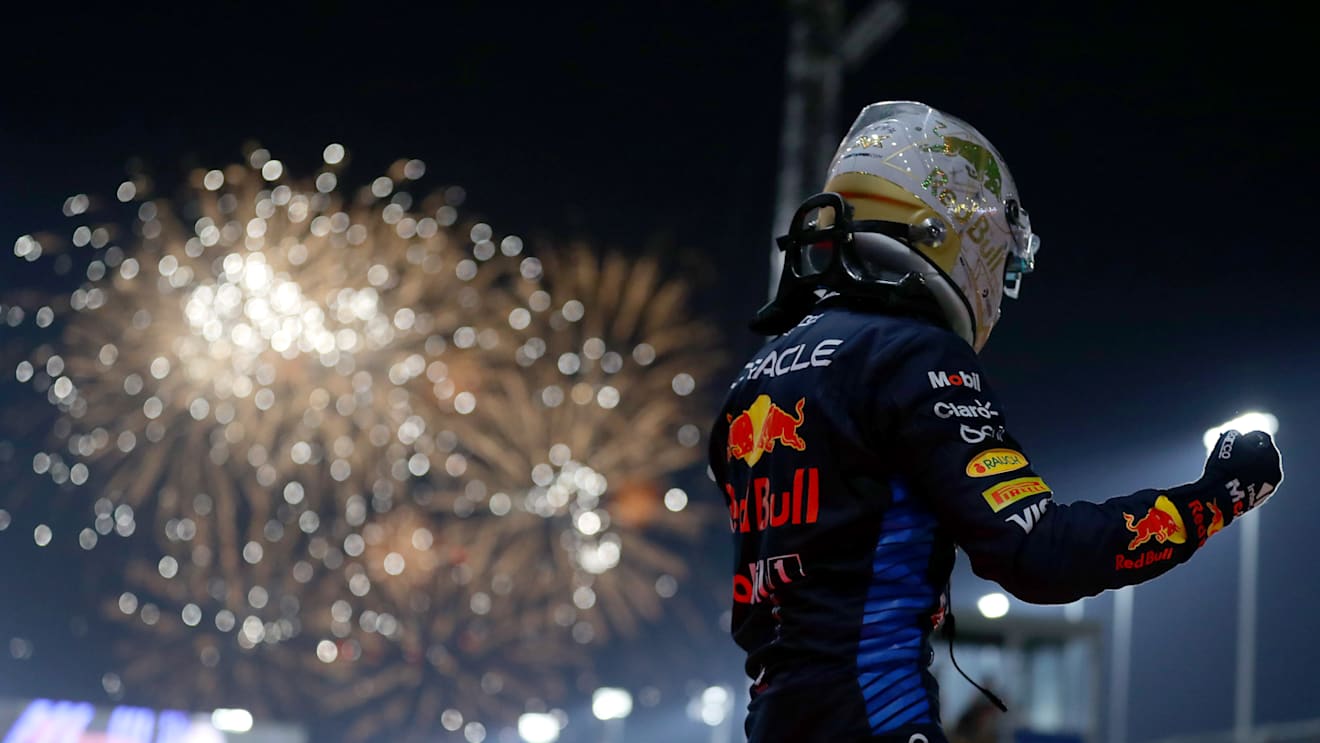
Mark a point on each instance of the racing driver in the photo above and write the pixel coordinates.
(864, 442)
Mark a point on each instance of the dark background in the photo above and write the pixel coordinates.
(1166, 155)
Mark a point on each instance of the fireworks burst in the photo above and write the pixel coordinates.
(568, 455)
(384, 455)
(366, 616)
(404, 665)
(265, 326)
(205, 636)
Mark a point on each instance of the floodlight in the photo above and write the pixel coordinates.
(993, 605)
(609, 703)
(1244, 423)
(232, 720)
(538, 727)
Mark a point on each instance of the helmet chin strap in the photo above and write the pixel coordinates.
(883, 253)
(871, 263)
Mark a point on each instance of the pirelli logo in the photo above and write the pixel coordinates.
(1009, 492)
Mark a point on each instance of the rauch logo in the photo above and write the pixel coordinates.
(994, 462)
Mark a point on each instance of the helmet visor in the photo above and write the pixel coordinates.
(1022, 258)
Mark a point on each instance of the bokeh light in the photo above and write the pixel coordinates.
(567, 454)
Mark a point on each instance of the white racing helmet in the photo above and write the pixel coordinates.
(971, 238)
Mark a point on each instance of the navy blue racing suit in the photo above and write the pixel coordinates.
(854, 453)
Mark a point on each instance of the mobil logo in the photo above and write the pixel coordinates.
(940, 379)
(755, 431)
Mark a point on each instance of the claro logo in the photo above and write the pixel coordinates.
(994, 462)
(977, 409)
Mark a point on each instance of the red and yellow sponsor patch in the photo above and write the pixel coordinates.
(1199, 512)
(995, 462)
(1161, 523)
(1216, 520)
(754, 432)
(1009, 492)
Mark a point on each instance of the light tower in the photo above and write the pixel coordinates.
(821, 46)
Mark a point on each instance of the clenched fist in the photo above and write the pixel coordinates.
(1243, 470)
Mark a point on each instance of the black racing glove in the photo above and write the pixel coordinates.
(1242, 472)
(1247, 468)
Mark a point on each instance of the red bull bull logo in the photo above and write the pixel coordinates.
(1161, 523)
(1216, 520)
(1206, 530)
(757, 430)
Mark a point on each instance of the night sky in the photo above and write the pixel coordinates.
(1166, 157)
